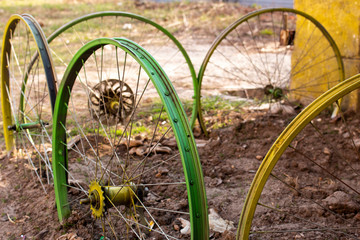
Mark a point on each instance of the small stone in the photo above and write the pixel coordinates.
(327, 151)
(357, 142)
(341, 202)
(299, 236)
(217, 224)
(259, 157)
(132, 143)
(132, 151)
(346, 135)
(201, 143)
(171, 142)
(279, 108)
(185, 224)
(176, 227)
(162, 171)
(141, 151)
(161, 149)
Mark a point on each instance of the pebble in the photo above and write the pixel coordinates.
(341, 202)
(176, 227)
(327, 151)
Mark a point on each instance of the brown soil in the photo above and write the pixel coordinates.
(229, 159)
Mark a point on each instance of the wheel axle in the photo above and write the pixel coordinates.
(102, 197)
(33, 125)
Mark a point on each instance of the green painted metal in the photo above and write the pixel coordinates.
(87, 17)
(30, 125)
(245, 18)
(292, 130)
(177, 117)
(45, 55)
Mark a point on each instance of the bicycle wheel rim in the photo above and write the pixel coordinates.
(117, 14)
(287, 136)
(27, 113)
(232, 29)
(192, 169)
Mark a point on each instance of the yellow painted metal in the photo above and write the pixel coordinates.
(9, 119)
(341, 18)
(120, 195)
(283, 141)
(114, 106)
(5, 104)
(97, 199)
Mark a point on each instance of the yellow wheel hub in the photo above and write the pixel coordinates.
(97, 200)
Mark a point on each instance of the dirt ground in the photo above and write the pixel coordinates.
(229, 158)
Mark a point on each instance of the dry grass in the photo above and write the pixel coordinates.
(200, 19)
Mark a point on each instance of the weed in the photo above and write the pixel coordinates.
(256, 6)
(267, 31)
(219, 103)
(140, 129)
(219, 125)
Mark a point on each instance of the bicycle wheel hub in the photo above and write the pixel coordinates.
(111, 101)
(101, 198)
(97, 200)
(273, 92)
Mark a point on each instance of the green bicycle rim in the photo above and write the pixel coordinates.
(177, 117)
(84, 18)
(243, 19)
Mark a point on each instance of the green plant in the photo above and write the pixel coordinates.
(267, 31)
(219, 103)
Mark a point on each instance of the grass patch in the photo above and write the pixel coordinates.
(267, 31)
(218, 103)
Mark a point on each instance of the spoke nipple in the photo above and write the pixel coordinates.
(13, 127)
